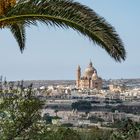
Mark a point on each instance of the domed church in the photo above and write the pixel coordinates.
(89, 80)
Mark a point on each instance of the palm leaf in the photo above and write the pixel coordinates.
(18, 30)
(67, 14)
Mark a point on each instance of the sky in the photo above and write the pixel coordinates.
(54, 53)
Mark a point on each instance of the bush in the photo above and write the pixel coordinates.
(82, 105)
(67, 125)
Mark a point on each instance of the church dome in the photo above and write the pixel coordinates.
(89, 71)
(94, 76)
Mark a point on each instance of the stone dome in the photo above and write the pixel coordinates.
(89, 71)
(94, 76)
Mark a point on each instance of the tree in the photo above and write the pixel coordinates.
(16, 15)
(55, 111)
(66, 134)
(95, 133)
(130, 130)
(82, 105)
(20, 116)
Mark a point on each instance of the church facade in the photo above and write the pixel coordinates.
(89, 79)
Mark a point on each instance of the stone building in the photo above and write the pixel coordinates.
(117, 88)
(89, 79)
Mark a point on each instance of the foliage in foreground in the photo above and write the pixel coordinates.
(129, 131)
(20, 115)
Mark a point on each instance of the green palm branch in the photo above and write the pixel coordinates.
(65, 14)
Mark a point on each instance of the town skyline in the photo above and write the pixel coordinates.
(54, 54)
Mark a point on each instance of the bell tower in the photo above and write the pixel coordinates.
(78, 75)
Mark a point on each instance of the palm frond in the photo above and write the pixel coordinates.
(68, 14)
(18, 30)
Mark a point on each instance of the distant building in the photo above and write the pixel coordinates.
(117, 88)
(89, 80)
